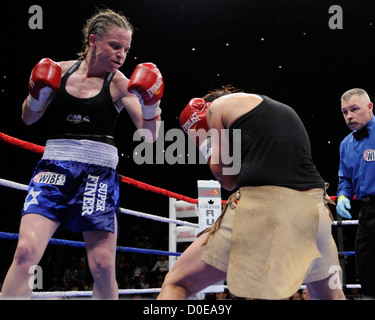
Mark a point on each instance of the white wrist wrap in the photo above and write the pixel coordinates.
(34, 105)
(39, 105)
(148, 112)
(206, 149)
(151, 112)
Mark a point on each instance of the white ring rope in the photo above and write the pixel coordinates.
(65, 294)
(157, 218)
(13, 185)
(345, 222)
(19, 186)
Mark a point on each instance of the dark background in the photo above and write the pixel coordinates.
(300, 61)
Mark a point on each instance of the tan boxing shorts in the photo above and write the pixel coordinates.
(271, 241)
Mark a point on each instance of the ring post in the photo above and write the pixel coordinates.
(209, 207)
(172, 232)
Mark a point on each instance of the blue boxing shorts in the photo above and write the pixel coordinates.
(76, 184)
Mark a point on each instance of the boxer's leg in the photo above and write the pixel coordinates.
(35, 233)
(190, 274)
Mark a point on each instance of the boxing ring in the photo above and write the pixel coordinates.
(180, 206)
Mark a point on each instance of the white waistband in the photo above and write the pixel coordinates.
(85, 151)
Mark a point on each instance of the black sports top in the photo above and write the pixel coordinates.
(91, 118)
(275, 148)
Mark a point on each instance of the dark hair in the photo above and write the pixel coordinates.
(99, 24)
(217, 93)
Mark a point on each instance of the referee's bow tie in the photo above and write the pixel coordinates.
(360, 134)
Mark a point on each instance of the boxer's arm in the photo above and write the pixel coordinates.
(345, 186)
(148, 129)
(131, 104)
(28, 116)
(44, 81)
(220, 141)
(147, 84)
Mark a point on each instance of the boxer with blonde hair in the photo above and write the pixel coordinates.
(76, 184)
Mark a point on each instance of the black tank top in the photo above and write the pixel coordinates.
(275, 148)
(91, 118)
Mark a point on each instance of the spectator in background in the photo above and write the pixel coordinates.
(296, 296)
(305, 294)
(222, 295)
(139, 269)
(161, 266)
(142, 282)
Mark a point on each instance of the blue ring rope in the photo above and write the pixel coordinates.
(80, 244)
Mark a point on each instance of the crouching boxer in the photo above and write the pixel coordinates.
(275, 231)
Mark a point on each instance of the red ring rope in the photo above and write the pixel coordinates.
(141, 185)
(22, 144)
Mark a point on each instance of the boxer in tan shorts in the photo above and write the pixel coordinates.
(274, 233)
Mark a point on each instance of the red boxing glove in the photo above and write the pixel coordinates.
(147, 83)
(194, 117)
(45, 78)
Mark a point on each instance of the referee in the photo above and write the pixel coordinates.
(357, 177)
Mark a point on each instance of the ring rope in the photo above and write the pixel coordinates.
(148, 187)
(141, 185)
(67, 294)
(19, 186)
(79, 244)
(345, 223)
(21, 143)
(13, 185)
(158, 218)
